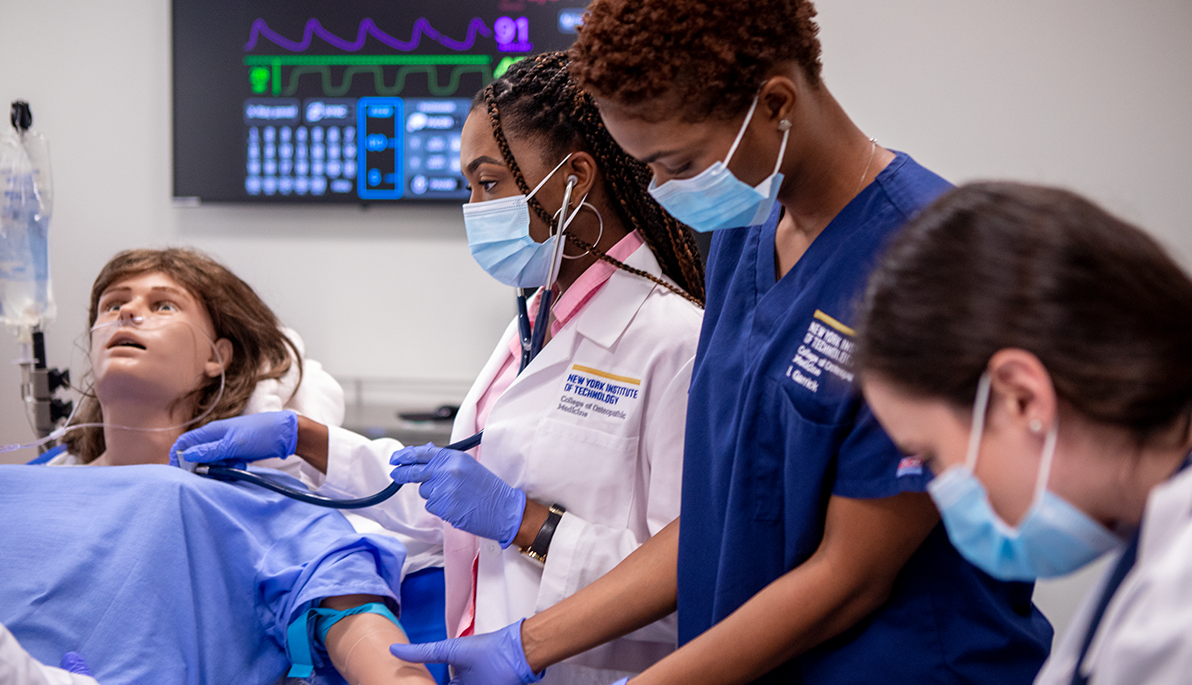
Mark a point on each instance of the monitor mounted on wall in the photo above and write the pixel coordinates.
(340, 101)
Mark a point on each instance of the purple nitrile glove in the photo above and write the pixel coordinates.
(72, 662)
(460, 491)
(489, 659)
(239, 439)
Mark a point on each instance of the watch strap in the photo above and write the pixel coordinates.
(541, 545)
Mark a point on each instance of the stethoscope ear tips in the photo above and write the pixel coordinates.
(572, 179)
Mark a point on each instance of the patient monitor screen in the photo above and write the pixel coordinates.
(340, 100)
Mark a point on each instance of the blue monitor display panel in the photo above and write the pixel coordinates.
(340, 101)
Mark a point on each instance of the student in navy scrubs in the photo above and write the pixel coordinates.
(808, 550)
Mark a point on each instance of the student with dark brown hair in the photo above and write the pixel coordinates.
(1036, 353)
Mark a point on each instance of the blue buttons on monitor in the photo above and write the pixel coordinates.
(379, 121)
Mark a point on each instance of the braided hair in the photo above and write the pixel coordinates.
(538, 97)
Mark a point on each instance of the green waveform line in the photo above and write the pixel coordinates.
(271, 79)
(381, 88)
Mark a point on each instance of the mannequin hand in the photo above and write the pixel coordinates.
(240, 439)
(460, 491)
(489, 659)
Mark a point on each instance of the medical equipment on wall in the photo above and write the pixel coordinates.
(532, 341)
(26, 298)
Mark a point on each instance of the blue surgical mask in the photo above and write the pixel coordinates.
(499, 239)
(1054, 538)
(715, 198)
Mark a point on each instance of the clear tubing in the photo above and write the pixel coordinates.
(133, 321)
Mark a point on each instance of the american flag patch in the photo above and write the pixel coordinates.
(910, 466)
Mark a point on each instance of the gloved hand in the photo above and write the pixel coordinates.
(489, 659)
(239, 439)
(460, 491)
(73, 663)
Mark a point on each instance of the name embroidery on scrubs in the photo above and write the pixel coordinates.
(589, 390)
(826, 347)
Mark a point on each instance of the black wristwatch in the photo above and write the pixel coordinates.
(538, 549)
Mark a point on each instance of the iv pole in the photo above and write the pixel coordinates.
(39, 383)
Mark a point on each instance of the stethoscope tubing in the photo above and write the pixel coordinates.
(228, 473)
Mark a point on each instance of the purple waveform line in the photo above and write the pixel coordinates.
(367, 27)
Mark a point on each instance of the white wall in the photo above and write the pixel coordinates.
(1094, 95)
(1090, 94)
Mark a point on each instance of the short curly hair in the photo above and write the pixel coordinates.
(710, 56)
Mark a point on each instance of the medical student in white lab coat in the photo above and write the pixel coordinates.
(582, 452)
(1036, 352)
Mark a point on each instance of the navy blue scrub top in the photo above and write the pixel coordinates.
(775, 426)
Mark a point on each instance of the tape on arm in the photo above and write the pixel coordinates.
(298, 634)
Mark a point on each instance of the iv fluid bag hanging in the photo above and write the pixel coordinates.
(25, 295)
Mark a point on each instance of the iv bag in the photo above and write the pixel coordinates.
(25, 295)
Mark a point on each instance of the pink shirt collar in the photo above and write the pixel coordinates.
(581, 291)
(591, 280)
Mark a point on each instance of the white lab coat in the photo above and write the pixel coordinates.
(1145, 637)
(617, 470)
(18, 668)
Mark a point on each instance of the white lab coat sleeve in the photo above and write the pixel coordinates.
(18, 668)
(359, 467)
(580, 551)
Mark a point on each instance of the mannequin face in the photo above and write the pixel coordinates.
(165, 356)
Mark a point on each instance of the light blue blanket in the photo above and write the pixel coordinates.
(156, 575)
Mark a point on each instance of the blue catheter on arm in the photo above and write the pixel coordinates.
(532, 340)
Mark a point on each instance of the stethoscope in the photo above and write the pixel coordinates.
(532, 341)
